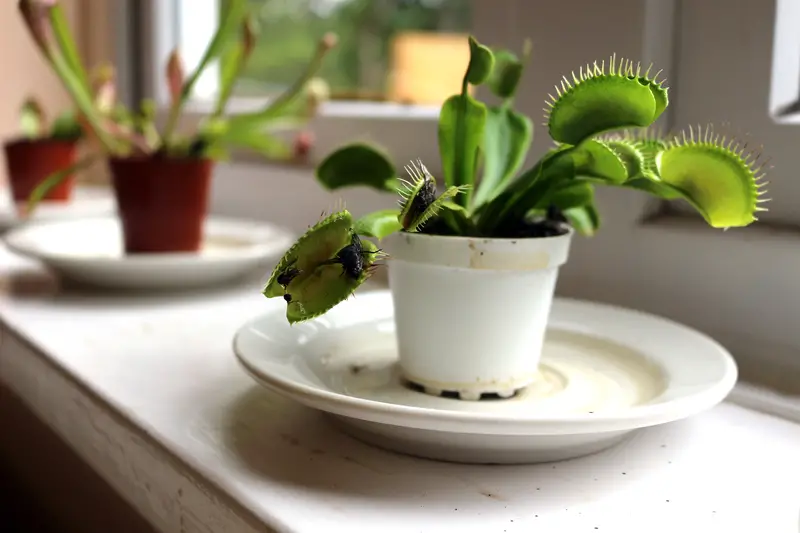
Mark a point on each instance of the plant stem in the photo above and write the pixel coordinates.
(291, 93)
(458, 164)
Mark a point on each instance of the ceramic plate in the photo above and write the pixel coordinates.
(87, 202)
(605, 372)
(89, 250)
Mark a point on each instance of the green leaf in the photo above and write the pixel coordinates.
(461, 125)
(556, 168)
(596, 159)
(714, 175)
(231, 20)
(600, 102)
(577, 193)
(457, 219)
(269, 146)
(584, 219)
(85, 103)
(233, 61)
(54, 180)
(283, 104)
(379, 224)
(481, 62)
(31, 119)
(308, 276)
(317, 245)
(629, 154)
(435, 208)
(506, 74)
(66, 43)
(66, 126)
(357, 164)
(507, 138)
(326, 287)
(653, 185)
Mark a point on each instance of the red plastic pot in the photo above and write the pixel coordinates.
(162, 202)
(30, 161)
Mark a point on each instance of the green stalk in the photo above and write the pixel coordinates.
(67, 44)
(232, 19)
(465, 199)
(54, 180)
(275, 107)
(82, 99)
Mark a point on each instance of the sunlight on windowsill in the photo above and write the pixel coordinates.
(352, 109)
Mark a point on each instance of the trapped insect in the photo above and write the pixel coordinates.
(351, 257)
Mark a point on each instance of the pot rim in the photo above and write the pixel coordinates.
(459, 238)
(42, 141)
(480, 254)
(153, 158)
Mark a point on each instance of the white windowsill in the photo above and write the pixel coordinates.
(332, 109)
(146, 390)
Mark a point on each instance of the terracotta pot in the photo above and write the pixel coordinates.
(162, 202)
(29, 162)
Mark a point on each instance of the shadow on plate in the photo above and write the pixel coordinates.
(310, 453)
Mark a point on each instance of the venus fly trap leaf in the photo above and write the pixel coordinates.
(324, 267)
(481, 63)
(595, 102)
(53, 180)
(66, 126)
(175, 77)
(506, 75)
(281, 105)
(378, 224)
(31, 119)
(231, 20)
(461, 123)
(596, 159)
(507, 138)
(578, 193)
(317, 245)
(233, 64)
(112, 129)
(357, 164)
(585, 219)
(419, 203)
(630, 156)
(716, 175)
(67, 44)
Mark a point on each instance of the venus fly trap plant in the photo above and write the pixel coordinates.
(600, 119)
(34, 123)
(119, 132)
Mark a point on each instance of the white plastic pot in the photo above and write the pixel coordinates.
(471, 313)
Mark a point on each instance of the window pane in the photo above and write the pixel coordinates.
(375, 37)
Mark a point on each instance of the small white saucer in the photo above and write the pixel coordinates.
(605, 372)
(90, 251)
(88, 201)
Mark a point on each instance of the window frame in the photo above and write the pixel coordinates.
(784, 95)
(407, 131)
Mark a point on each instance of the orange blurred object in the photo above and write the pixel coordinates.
(427, 67)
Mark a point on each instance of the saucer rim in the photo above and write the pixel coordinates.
(633, 417)
(263, 239)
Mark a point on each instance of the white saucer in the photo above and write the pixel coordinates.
(88, 201)
(90, 251)
(605, 372)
